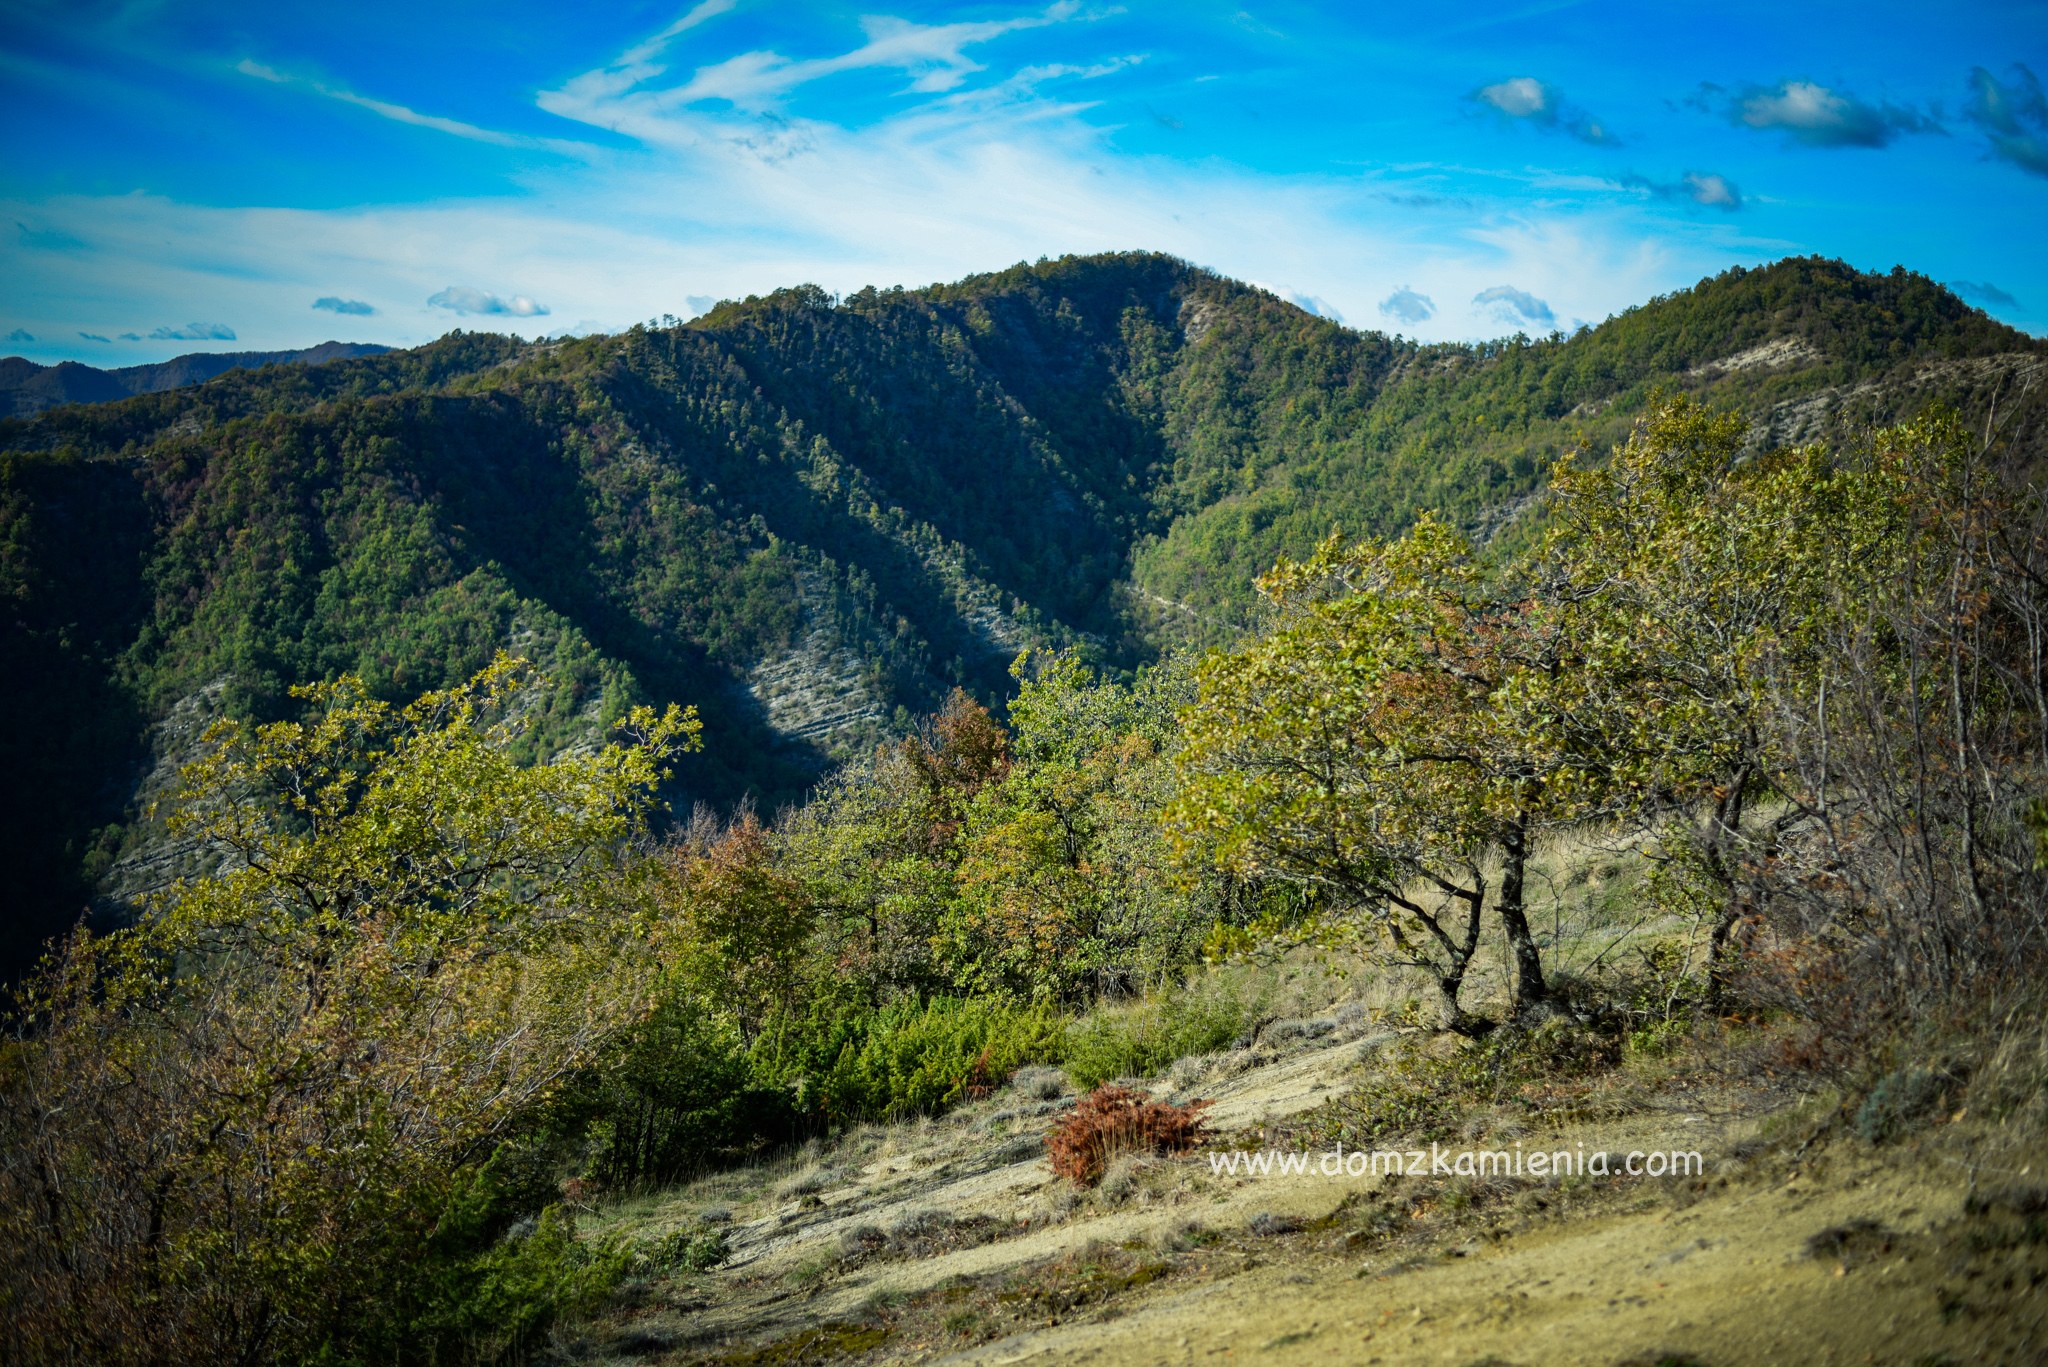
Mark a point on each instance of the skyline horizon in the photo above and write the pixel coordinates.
(230, 348)
(230, 176)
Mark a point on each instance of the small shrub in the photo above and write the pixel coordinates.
(689, 1250)
(1426, 1094)
(1040, 1083)
(862, 1240)
(1281, 1031)
(1142, 1040)
(1112, 1121)
(1656, 1039)
(911, 1059)
(1017, 1148)
(808, 1182)
(812, 1271)
(918, 1223)
(1119, 1181)
(1858, 1241)
(1897, 1100)
(1267, 1225)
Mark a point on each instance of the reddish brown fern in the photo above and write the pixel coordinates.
(1112, 1121)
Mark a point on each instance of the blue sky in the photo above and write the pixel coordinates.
(213, 176)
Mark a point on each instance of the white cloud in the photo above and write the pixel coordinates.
(1307, 303)
(194, 332)
(1544, 106)
(1516, 307)
(1815, 116)
(465, 299)
(1701, 187)
(712, 202)
(933, 55)
(1714, 191)
(399, 113)
(1523, 97)
(703, 12)
(1406, 306)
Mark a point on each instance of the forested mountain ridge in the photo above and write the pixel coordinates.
(27, 388)
(809, 516)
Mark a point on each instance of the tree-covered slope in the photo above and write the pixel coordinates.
(810, 517)
(27, 388)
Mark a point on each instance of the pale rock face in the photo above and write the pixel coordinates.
(1779, 351)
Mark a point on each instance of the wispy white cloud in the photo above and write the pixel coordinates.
(1307, 303)
(399, 113)
(991, 157)
(651, 47)
(1701, 187)
(194, 332)
(354, 308)
(1984, 292)
(934, 56)
(2014, 114)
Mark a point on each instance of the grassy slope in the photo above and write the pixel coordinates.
(948, 1238)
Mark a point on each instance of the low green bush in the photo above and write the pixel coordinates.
(1898, 1100)
(494, 1306)
(687, 1250)
(485, 1286)
(1143, 1039)
(675, 1094)
(1418, 1094)
(910, 1059)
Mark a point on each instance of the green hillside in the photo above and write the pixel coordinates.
(812, 518)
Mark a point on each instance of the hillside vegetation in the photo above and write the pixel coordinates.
(1718, 773)
(812, 518)
(27, 388)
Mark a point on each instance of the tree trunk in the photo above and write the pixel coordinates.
(1718, 950)
(1451, 1016)
(1530, 992)
(1719, 848)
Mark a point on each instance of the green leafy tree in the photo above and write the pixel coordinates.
(1401, 737)
(251, 1126)
(1703, 588)
(1067, 885)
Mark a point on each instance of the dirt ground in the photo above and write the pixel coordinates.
(1850, 1263)
(949, 1239)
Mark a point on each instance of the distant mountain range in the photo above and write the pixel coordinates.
(27, 388)
(812, 516)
